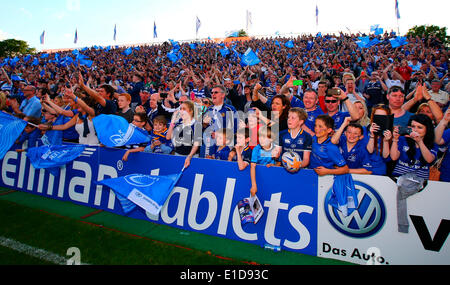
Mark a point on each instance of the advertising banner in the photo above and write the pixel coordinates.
(370, 235)
(205, 198)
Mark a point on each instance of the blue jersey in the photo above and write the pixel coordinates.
(339, 118)
(312, 115)
(357, 157)
(155, 136)
(405, 165)
(325, 154)
(262, 156)
(302, 142)
(221, 154)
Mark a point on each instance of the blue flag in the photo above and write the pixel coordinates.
(44, 55)
(224, 52)
(35, 61)
(114, 131)
(289, 44)
(250, 58)
(128, 51)
(344, 196)
(155, 34)
(149, 192)
(398, 41)
(51, 157)
(10, 129)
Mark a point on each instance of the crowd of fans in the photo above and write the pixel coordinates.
(325, 98)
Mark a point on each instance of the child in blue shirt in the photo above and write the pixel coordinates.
(221, 150)
(265, 153)
(159, 143)
(326, 157)
(242, 152)
(295, 139)
(352, 147)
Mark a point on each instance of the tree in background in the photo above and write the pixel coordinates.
(12, 47)
(433, 35)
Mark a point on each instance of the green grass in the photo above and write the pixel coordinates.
(97, 245)
(109, 239)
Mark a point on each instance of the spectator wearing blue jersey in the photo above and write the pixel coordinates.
(221, 149)
(242, 152)
(311, 101)
(159, 143)
(442, 138)
(295, 139)
(415, 152)
(332, 105)
(30, 106)
(265, 153)
(325, 156)
(353, 149)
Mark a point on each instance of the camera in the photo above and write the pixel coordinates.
(403, 131)
(334, 92)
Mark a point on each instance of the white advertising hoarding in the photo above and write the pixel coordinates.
(369, 235)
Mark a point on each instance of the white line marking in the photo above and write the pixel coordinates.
(33, 251)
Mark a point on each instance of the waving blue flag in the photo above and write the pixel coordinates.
(44, 55)
(398, 41)
(35, 61)
(149, 192)
(128, 51)
(10, 129)
(86, 62)
(250, 58)
(52, 157)
(289, 44)
(114, 131)
(224, 52)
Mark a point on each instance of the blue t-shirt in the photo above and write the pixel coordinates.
(403, 120)
(302, 142)
(357, 157)
(405, 165)
(155, 136)
(221, 154)
(339, 118)
(325, 154)
(262, 156)
(312, 115)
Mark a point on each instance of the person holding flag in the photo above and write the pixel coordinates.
(82, 120)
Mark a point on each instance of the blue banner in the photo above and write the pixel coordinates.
(53, 156)
(114, 131)
(10, 129)
(149, 192)
(204, 200)
(249, 58)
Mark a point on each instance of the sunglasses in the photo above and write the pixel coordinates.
(330, 101)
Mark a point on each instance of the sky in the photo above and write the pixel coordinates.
(94, 20)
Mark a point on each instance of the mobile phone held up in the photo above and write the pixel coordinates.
(334, 92)
(297, 82)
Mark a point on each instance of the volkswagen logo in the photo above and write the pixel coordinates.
(363, 222)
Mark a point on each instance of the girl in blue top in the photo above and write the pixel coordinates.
(415, 152)
(265, 153)
(325, 156)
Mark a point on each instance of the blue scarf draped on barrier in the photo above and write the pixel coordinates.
(344, 196)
